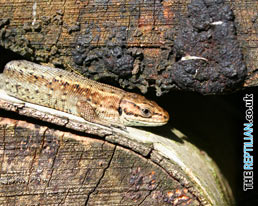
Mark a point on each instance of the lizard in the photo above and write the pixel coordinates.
(71, 93)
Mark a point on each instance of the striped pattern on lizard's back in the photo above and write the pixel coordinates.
(74, 94)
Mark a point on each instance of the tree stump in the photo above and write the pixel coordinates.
(82, 164)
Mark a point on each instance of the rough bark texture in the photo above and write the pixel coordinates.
(49, 165)
(140, 43)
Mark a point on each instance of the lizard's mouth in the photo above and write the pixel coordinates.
(145, 122)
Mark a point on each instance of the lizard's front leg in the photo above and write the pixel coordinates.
(87, 112)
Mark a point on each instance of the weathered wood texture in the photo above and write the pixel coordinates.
(133, 41)
(47, 165)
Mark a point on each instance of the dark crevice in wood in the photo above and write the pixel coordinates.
(145, 198)
(52, 167)
(101, 177)
(3, 153)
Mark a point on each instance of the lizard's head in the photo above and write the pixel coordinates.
(136, 110)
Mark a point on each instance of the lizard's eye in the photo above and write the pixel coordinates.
(120, 111)
(146, 112)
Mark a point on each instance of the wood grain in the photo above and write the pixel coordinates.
(65, 33)
(88, 164)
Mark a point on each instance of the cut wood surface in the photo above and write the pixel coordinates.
(49, 165)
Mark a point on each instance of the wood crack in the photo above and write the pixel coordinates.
(3, 154)
(101, 177)
(52, 168)
(35, 155)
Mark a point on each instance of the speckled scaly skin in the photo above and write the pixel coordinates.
(74, 94)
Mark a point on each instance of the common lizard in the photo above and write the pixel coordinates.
(68, 92)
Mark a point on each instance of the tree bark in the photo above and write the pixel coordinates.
(139, 44)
